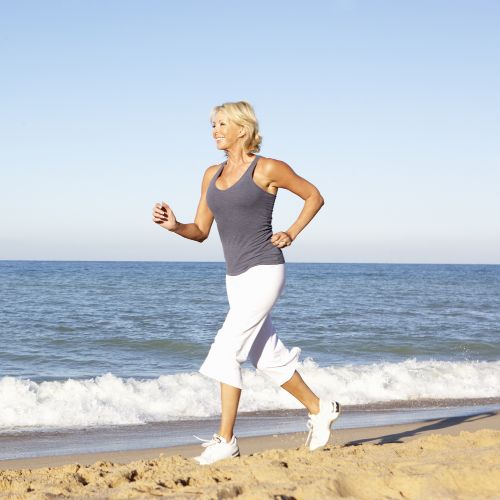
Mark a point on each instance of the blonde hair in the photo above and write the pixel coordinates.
(242, 114)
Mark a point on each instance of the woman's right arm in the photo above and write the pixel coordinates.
(200, 228)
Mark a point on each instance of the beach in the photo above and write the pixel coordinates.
(456, 457)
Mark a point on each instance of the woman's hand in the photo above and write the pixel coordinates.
(164, 217)
(281, 239)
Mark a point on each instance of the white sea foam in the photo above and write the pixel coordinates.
(111, 400)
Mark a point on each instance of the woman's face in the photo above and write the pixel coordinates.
(225, 132)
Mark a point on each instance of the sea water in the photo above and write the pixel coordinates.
(104, 344)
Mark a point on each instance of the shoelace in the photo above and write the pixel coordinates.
(209, 442)
(310, 426)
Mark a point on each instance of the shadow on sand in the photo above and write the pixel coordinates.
(439, 424)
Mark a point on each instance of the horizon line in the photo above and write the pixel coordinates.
(286, 262)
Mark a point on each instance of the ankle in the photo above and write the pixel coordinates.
(226, 436)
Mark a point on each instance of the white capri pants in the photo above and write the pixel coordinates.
(248, 332)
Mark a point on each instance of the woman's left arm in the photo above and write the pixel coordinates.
(282, 175)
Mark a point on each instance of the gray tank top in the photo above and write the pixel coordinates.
(243, 213)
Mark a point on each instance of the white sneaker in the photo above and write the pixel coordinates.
(217, 448)
(319, 424)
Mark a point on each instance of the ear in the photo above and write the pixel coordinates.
(242, 132)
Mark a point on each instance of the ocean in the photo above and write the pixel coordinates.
(91, 352)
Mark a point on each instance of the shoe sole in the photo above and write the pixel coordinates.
(235, 454)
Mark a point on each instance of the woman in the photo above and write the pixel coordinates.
(240, 195)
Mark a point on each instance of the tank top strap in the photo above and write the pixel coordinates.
(217, 174)
(252, 167)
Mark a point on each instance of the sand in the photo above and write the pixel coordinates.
(447, 458)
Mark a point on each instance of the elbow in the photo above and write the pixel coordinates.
(319, 199)
(201, 233)
(316, 201)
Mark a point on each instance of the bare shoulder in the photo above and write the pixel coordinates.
(212, 169)
(268, 172)
(272, 169)
(210, 172)
(279, 174)
(269, 165)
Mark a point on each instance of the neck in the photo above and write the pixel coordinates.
(238, 157)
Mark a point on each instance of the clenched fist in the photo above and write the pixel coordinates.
(281, 239)
(163, 216)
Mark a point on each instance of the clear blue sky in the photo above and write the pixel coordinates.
(391, 108)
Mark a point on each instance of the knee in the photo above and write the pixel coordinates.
(223, 366)
(281, 367)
